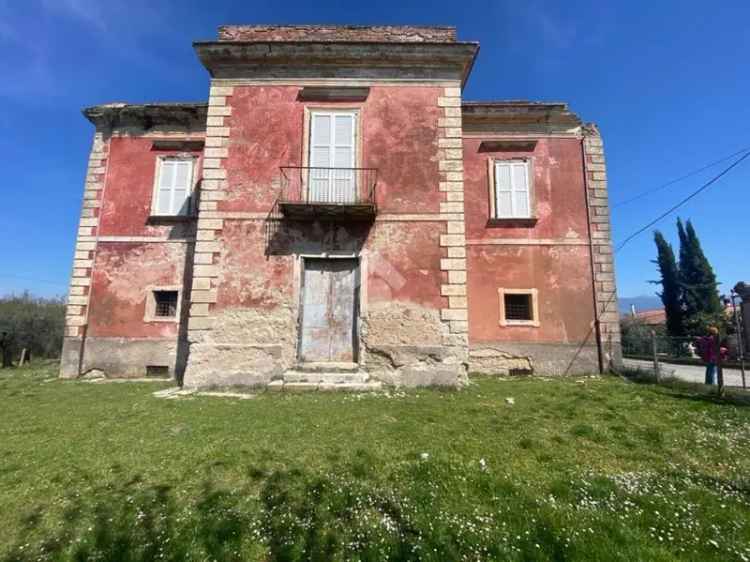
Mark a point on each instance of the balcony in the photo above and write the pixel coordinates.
(316, 193)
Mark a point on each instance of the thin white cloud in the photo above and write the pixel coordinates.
(89, 12)
(34, 34)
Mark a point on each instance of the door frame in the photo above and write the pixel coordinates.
(360, 296)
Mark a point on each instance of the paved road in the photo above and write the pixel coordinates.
(690, 373)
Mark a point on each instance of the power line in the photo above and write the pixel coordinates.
(681, 203)
(674, 181)
(613, 294)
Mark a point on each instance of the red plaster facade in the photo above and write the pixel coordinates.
(424, 261)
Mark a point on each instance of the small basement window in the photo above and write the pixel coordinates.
(157, 371)
(518, 307)
(165, 304)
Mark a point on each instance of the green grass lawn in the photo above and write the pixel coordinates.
(575, 469)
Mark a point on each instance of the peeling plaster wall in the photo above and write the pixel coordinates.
(247, 332)
(123, 273)
(551, 256)
(399, 138)
(126, 205)
(126, 263)
(559, 191)
(254, 334)
(119, 340)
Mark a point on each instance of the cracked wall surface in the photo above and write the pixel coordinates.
(248, 260)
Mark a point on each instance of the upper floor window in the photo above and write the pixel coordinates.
(333, 156)
(512, 189)
(174, 185)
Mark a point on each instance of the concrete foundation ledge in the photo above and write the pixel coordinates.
(545, 359)
(217, 364)
(412, 377)
(416, 365)
(118, 357)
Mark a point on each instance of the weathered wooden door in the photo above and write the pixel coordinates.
(329, 310)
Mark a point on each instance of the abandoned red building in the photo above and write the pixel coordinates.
(336, 212)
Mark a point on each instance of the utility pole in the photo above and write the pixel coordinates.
(656, 356)
(740, 335)
(719, 368)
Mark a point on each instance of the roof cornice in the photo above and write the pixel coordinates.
(238, 59)
(518, 112)
(148, 115)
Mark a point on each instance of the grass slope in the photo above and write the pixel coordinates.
(588, 469)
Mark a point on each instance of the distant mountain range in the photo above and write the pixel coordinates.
(644, 302)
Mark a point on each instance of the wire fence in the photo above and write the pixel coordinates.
(687, 349)
(666, 353)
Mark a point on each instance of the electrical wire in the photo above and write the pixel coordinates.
(681, 203)
(613, 294)
(681, 178)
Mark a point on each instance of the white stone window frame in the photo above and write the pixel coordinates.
(533, 294)
(492, 170)
(150, 313)
(183, 156)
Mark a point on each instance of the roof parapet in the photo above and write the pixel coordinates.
(338, 33)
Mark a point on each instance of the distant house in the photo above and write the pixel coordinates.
(654, 317)
(336, 206)
(658, 316)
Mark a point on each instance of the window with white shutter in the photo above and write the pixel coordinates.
(332, 157)
(512, 189)
(173, 187)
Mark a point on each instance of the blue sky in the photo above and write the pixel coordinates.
(667, 82)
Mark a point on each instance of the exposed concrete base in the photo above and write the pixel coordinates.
(549, 359)
(412, 365)
(233, 364)
(117, 357)
(70, 358)
(258, 365)
(401, 344)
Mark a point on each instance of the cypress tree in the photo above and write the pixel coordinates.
(700, 297)
(688, 304)
(670, 285)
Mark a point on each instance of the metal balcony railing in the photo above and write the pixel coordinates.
(312, 185)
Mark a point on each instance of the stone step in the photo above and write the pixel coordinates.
(280, 386)
(328, 367)
(325, 377)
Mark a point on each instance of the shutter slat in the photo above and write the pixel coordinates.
(503, 186)
(521, 190)
(175, 177)
(166, 182)
(343, 157)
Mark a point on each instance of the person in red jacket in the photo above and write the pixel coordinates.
(707, 350)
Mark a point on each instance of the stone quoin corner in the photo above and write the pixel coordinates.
(336, 213)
